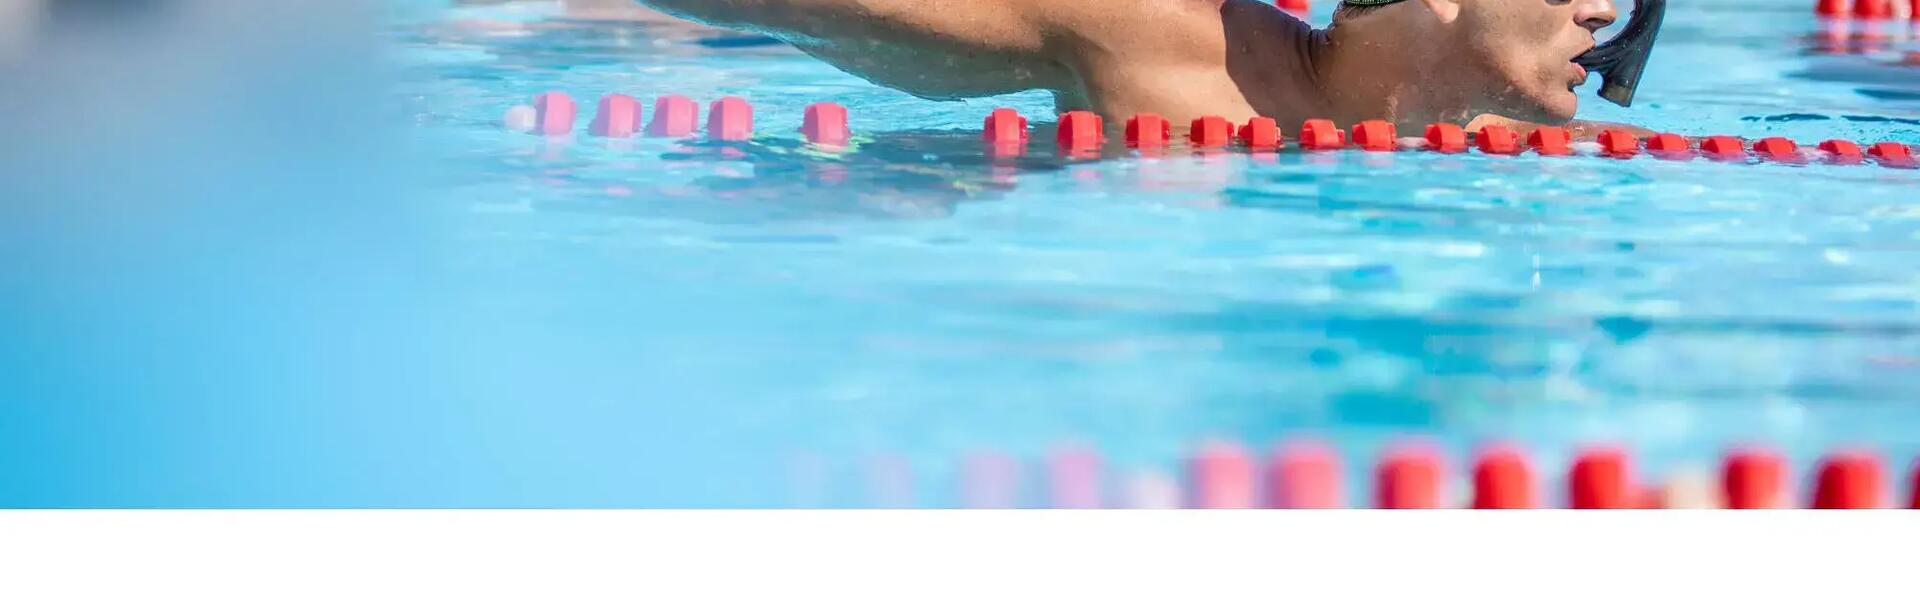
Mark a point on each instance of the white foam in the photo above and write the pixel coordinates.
(520, 118)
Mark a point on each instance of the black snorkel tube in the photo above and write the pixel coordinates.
(1621, 60)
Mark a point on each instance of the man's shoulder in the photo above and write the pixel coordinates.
(1172, 29)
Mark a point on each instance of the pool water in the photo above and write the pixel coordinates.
(659, 322)
(911, 297)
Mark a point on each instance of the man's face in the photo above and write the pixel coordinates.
(1528, 46)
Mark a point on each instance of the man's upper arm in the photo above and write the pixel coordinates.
(1008, 26)
(936, 49)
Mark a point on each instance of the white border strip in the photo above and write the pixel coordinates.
(955, 549)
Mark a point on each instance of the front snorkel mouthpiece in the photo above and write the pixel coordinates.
(1623, 59)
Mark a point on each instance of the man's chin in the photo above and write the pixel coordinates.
(1558, 108)
(1552, 106)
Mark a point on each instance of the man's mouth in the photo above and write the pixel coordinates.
(1590, 45)
(1579, 73)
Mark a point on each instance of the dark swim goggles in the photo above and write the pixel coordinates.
(1620, 61)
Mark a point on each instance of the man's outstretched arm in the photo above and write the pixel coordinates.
(1579, 129)
(933, 48)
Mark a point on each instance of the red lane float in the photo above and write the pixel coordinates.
(1306, 473)
(1753, 479)
(1261, 134)
(1303, 475)
(1502, 479)
(1409, 477)
(1913, 486)
(1893, 155)
(1778, 149)
(553, 113)
(1669, 146)
(618, 116)
(1849, 480)
(1005, 133)
(1004, 126)
(1295, 7)
(1073, 479)
(1551, 141)
(1321, 134)
(825, 123)
(674, 116)
(1497, 140)
(1619, 143)
(1600, 480)
(1220, 475)
(1376, 136)
(1210, 132)
(1837, 12)
(1723, 147)
(1840, 151)
(1148, 131)
(1870, 9)
(730, 119)
(1446, 138)
(1080, 133)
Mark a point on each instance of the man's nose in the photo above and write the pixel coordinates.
(1594, 14)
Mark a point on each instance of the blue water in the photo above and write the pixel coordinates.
(515, 321)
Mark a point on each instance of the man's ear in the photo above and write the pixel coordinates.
(1445, 10)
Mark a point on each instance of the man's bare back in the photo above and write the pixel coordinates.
(1421, 61)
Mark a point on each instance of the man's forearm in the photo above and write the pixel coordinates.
(1579, 129)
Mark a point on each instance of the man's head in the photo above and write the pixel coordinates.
(1518, 53)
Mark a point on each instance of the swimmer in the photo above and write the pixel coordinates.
(1412, 62)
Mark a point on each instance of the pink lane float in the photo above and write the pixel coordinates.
(730, 119)
(1413, 474)
(674, 116)
(1303, 475)
(1868, 10)
(825, 123)
(618, 116)
(1081, 134)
